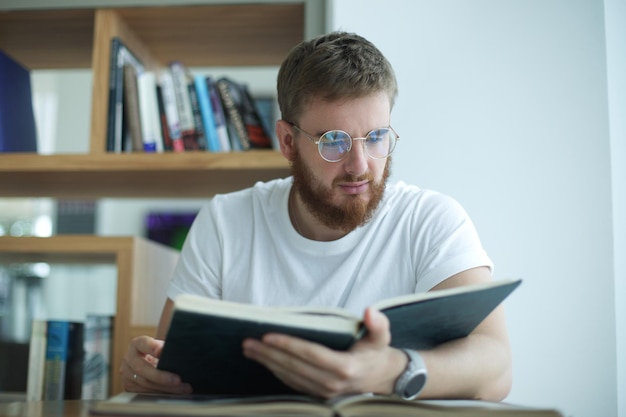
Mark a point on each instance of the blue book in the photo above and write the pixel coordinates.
(206, 111)
(17, 121)
(56, 359)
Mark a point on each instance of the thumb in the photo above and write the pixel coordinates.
(377, 325)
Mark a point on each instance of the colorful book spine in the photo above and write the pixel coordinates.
(183, 104)
(56, 359)
(170, 108)
(218, 116)
(206, 112)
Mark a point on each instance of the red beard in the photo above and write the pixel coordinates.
(317, 199)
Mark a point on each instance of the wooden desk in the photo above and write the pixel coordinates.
(75, 408)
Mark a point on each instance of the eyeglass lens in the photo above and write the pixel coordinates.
(335, 144)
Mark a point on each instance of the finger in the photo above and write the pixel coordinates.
(136, 382)
(302, 365)
(378, 327)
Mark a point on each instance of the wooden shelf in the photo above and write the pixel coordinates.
(205, 35)
(143, 271)
(175, 175)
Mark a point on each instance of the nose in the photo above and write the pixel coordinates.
(355, 162)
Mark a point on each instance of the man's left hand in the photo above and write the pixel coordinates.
(371, 365)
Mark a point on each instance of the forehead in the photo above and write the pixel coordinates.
(367, 112)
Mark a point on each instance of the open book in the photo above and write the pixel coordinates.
(299, 405)
(204, 341)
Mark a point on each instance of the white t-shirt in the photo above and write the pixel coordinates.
(242, 247)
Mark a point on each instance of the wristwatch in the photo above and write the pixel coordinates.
(411, 381)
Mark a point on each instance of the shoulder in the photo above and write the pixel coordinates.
(262, 192)
(402, 196)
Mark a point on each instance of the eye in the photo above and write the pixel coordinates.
(378, 135)
(336, 138)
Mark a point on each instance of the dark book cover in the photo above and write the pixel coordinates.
(120, 55)
(218, 365)
(197, 116)
(242, 114)
(204, 341)
(131, 109)
(74, 365)
(17, 120)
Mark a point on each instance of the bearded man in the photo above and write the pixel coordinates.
(336, 233)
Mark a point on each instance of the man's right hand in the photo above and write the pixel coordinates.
(139, 372)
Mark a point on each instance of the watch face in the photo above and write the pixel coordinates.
(414, 385)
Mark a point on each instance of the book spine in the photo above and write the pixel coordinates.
(165, 132)
(131, 108)
(74, 364)
(171, 110)
(97, 360)
(17, 120)
(197, 117)
(36, 361)
(219, 119)
(206, 112)
(237, 128)
(56, 358)
(259, 138)
(120, 55)
(149, 112)
(183, 104)
(115, 84)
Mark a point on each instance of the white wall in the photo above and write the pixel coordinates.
(503, 105)
(615, 17)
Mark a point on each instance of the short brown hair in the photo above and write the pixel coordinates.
(332, 66)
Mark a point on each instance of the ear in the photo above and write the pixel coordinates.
(284, 133)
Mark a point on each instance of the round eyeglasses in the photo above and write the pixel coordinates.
(334, 145)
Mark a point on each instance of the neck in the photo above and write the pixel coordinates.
(306, 224)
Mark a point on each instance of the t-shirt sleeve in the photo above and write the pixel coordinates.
(446, 242)
(197, 269)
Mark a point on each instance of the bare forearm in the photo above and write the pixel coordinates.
(476, 367)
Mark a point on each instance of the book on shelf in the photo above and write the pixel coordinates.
(244, 121)
(204, 341)
(218, 115)
(120, 55)
(64, 357)
(69, 359)
(149, 112)
(183, 104)
(170, 110)
(133, 133)
(197, 116)
(36, 360)
(73, 384)
(205, 107)
(97, 360)
(363, 405)
(17, 120)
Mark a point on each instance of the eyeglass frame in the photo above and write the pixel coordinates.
(319, 140)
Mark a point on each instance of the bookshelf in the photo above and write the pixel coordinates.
(51, 35)
(143, 270)
(199, 35)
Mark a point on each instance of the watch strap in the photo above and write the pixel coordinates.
(412, 380)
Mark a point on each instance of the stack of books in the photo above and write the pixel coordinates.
(174, 110)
